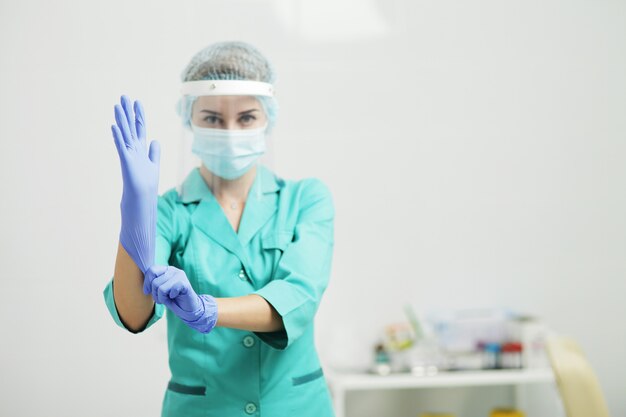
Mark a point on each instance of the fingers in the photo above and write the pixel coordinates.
(156, 283)
(169, 285)
(176, 289)
(151, 274)
(168, 290)
(130, 116)
(154, 153)
(119, 141)
(165, 283)
(140, 121)
(158, 295)
(122, 124)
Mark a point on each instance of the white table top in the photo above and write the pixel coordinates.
(364, 381)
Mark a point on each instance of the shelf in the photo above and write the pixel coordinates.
(347, 381)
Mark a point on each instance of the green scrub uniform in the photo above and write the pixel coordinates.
(283, 253)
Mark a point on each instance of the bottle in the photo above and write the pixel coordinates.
(491, 356)
(511, 356)
(382, 364)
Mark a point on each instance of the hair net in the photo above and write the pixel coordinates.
(229, 61)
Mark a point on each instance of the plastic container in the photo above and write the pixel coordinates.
(491, 356)
(511, 356)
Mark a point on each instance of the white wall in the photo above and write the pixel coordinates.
(475, 151)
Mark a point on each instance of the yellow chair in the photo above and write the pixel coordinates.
(578, 385)
(436, 415)
(505, 412)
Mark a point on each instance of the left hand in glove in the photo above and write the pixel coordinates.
(169, 286)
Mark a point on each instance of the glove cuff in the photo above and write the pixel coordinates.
(208, 318)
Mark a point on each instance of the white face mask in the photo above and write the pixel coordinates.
(228, 153)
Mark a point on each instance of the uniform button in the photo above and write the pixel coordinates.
(250, 408)
(242, 275)
(248, 341)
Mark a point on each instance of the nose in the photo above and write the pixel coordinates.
(230, 125)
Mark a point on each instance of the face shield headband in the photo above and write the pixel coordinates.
(227, 88)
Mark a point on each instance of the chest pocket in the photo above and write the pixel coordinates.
(277, 240)
(273, 245)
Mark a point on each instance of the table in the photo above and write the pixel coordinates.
(341, 382)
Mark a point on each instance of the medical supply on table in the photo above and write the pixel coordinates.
(408, 353)
(418, 330)
(465, 340)
(399, 338)
(425, 358)
(140, 175)
(464, 361)
(491, 355)
(511, 355)
(505, 340)
(463, 330)
(533, 335)
(382, 361)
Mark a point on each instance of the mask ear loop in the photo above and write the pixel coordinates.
(267, 159)
(186, 159)
(259, 178)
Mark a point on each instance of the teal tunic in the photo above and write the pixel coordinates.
(283, 253)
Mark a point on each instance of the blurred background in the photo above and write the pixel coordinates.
(475, 151)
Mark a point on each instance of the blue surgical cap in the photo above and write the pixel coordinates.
(229, 61)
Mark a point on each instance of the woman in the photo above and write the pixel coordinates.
(242, 257)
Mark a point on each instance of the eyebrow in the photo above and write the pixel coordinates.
(219, 114)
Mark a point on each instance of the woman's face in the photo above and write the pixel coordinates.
(228, 112)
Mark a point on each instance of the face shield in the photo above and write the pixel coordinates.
(225, 128)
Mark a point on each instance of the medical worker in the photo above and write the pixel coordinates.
(236, 257)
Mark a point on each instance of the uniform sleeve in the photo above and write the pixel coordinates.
(157, 311)
(164, 242)
(304, 269)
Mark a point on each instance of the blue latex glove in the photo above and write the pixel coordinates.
(140, 173)
(169, 286)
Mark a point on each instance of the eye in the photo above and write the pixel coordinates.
(212, 120)
(246, 119)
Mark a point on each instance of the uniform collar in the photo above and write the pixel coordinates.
(194, 188)
(210, 219)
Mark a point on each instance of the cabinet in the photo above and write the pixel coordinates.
(342, 383)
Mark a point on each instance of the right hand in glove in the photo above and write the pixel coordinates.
(140, 174)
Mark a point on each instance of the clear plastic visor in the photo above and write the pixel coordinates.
(224, 137)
